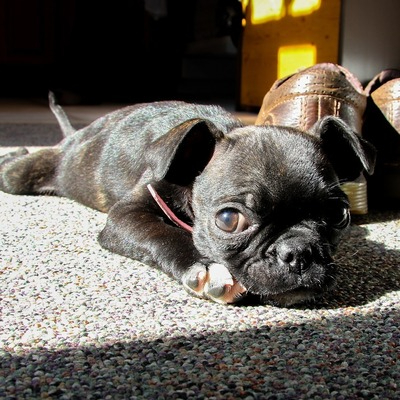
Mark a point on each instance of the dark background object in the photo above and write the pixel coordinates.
(121, 51)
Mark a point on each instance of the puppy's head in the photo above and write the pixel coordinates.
(268, 205)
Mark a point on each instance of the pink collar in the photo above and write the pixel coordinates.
(167, 211)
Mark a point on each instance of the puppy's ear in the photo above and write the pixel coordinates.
(348, 153)
(183, 153)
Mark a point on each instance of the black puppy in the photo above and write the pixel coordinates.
(256, 209)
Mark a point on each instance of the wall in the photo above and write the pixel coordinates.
(370, 36)
(266, 39)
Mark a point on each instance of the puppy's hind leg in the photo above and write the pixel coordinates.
(22, 173)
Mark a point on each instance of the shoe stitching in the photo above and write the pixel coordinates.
(306, 98)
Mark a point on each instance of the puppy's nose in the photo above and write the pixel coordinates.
(297, 256)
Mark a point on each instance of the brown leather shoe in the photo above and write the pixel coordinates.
(382, 129)
(301, 99)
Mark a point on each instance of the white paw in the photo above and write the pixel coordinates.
(214, 282)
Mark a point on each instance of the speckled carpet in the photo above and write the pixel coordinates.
(78, 322)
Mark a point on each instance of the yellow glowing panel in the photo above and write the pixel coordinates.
(303, 7)
(294, 58)
(267, 10)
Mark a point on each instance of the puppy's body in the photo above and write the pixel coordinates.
(109, 158)
(264, 203)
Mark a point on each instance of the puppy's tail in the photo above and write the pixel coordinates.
(65, 125)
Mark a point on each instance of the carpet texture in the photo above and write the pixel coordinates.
(78, 322)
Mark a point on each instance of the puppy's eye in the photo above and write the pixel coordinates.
(231, 221)
(341, 218)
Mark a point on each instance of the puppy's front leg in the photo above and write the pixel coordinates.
(139, 231)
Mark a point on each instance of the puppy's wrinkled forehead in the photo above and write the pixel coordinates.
(278, 160)
(268, 170)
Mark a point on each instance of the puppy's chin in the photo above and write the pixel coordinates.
(293, 297)
(300, 293)
(298, 296)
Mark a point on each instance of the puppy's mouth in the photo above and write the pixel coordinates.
(294, 294)
(293, 297)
